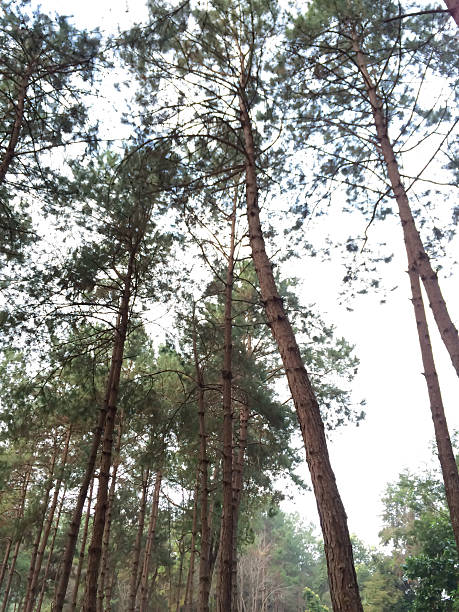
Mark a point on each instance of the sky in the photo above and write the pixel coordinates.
(397, 431)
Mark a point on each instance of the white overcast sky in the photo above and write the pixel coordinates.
(397, 431)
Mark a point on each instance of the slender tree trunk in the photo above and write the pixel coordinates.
(149, 543)
(38, 550)
(6, 556)
(51, 550)
(108, 521)
(238, 464)
(204, 579)
(224, 590)
(413, 243)
(82, 549)
(444, 446)
(338, 549)
(138, 542)
(11, 574)
(20, 515)
(30, 599)
(453, 6)
(72, 534)
(95, 548)
(188, 603)
(109, 592)
(181, 547)
(18, 121)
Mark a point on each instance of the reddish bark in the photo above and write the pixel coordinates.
(238, 464)
(338, 549)
(95, 548)
(442, 437)
(74, 527)
(18, 121)
(224, 590)
(413, 243)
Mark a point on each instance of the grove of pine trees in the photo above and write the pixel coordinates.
(161, 374)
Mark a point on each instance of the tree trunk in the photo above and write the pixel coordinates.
(188, 603)
(224, 589)
(82, 549)
(453, 6)
(95, 548)
(30, 600)
(181, 547)
(108, 521)
(38, 550)
(109, 592)
(413, 243)
(444, 446)
(138, 542)
(6, 556)
(51, 550)
(10, 575)
(17, 546)
(72, 534)
(238, 464)
(204, 580)
(18, 121)
(149, 543)
(338, 549)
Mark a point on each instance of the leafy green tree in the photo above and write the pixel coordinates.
(434, 569)
(416, 523)
(313, 601)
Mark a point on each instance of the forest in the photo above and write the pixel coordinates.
(163, 371)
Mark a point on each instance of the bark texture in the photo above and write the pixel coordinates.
(138, 542)
(413, 243)
(74, 527)
(238, 470)
(104, 583)
(37, 551)
(82, 549)
(204, 562)
(17, 545)
(30, 601)
(18, 122)
(95, 548)
(188, 602)
(224, 603)
(338, 549)
(149, 544)
(6, 556)
(51, 550)
(9, 581)
(442, 437)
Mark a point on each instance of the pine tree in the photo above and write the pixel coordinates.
(358, 62)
